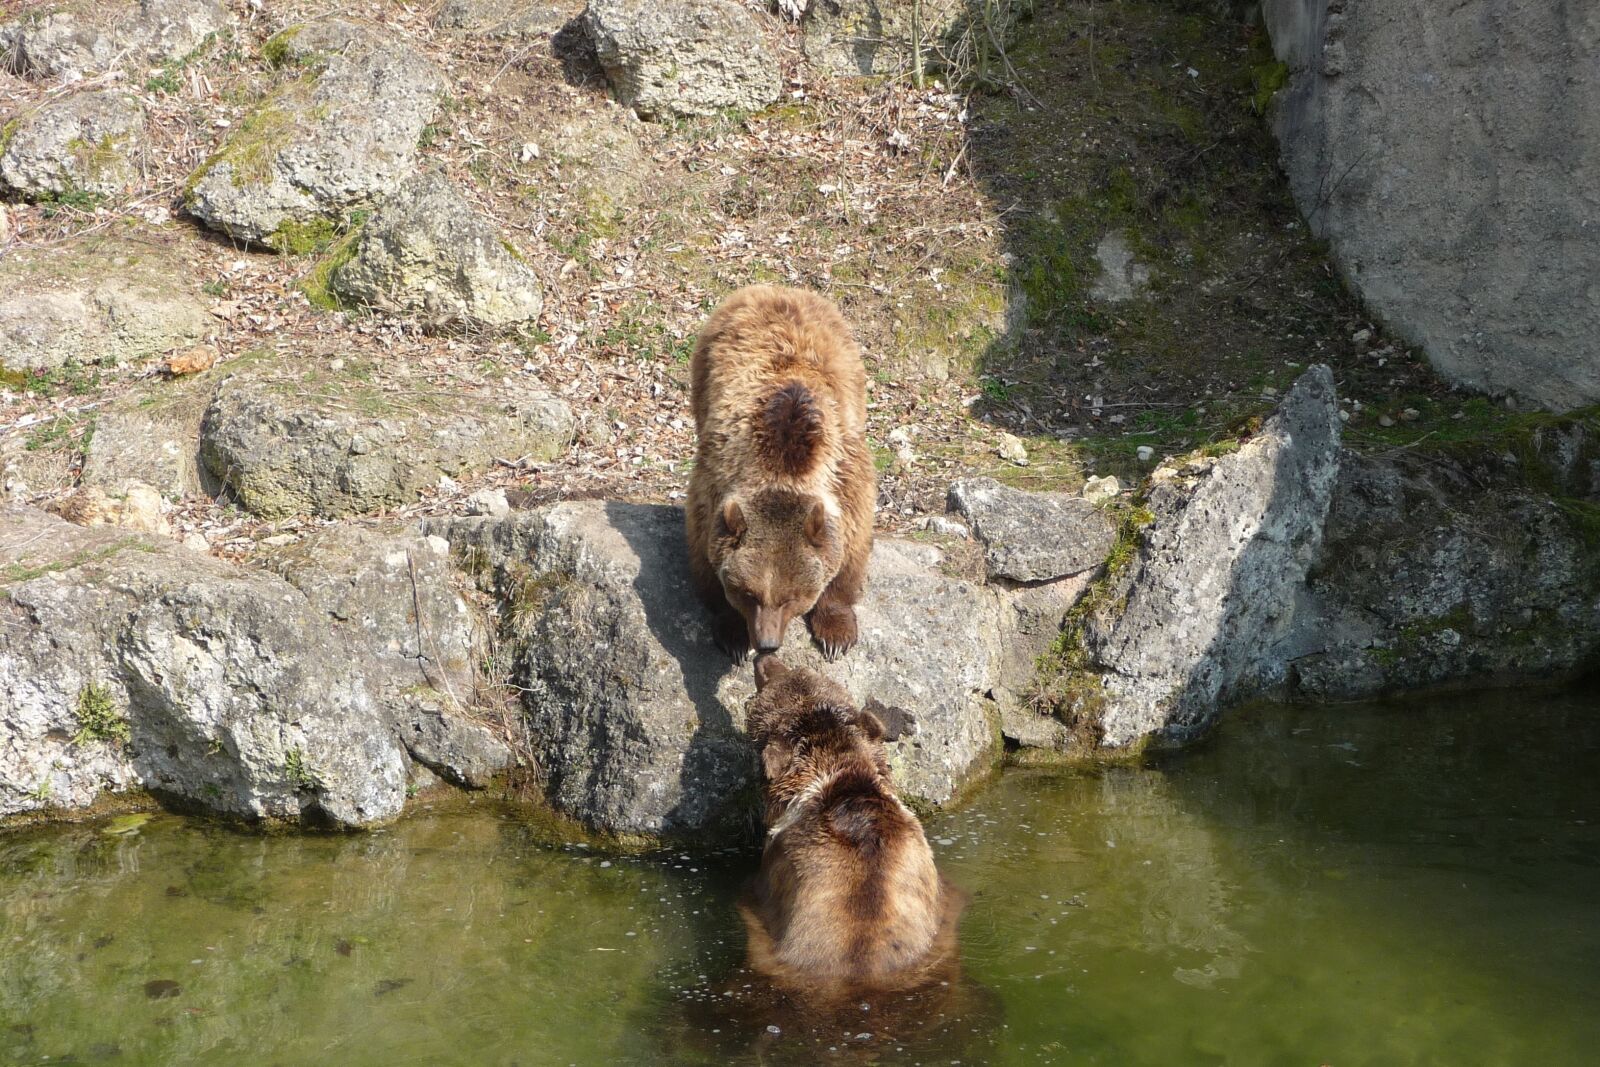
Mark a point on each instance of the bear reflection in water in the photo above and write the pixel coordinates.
(851, 930)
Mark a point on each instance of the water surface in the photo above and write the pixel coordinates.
(1386, 884)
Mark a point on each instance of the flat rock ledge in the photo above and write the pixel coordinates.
(636, 719)
(101, 300)
(310, 687)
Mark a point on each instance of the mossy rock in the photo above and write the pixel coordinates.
(75, 149)
(297, 436)
(338, 134)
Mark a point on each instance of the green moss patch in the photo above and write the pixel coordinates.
(251, 150)
(275, 50)
(318, 282)
(1066, 684)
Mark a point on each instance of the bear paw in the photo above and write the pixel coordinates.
(834, 628)
(732, 636)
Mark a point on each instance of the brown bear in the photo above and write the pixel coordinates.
(848, 898)
(781, 497)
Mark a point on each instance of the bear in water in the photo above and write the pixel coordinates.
(847, 898)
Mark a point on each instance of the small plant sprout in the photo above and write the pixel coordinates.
(98, 717)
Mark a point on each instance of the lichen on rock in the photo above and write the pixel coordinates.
(339, 133)
(428, 253)
(79, 144)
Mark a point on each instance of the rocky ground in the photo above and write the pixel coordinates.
(350, 313)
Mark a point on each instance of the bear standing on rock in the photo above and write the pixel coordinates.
(781, 497)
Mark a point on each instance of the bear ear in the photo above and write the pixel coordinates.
(733, 523)
(870, 725)
(817, 525)
(769, 668)
(775, 759)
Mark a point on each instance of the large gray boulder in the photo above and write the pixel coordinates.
(96, 300)
(635, 717)
(853, 37)
(1448, 157)
(82, 143)
(296, 691)
(294, 437)
(429, 254)
(129, 661)
(1439, 573)
(683, 57)
(84, 37)
(339, 133)
(1197, 616)
(1031, 537)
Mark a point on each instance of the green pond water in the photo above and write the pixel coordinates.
(1411, 884)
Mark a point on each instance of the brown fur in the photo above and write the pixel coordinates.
(780, 501)
(848, 896)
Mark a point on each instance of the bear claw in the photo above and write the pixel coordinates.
(835, 630)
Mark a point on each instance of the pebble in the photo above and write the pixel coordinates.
(944, 524)
(279, 540)
(491, 502)
(1098, 490)
(900, 441)
(1411, 414)
(1012, 450)
(1145, 453)
(1384, 420)
(1361, 337)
